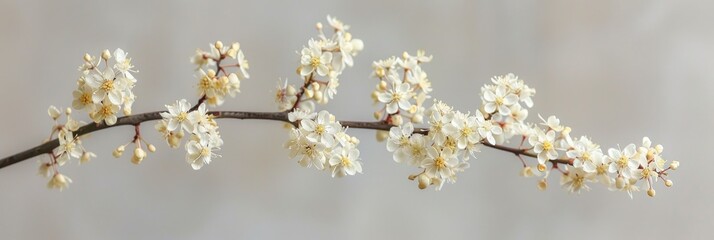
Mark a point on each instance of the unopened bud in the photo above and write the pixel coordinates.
(53, 112)
(382, 85)
(674, 165)
(87, 57)
(318, 96)
(118, 152)
(86, 156)
(151, 148)
(318, 26)
(139, 156)
(218, 45)
(668, 183)
(127, 111)
(375, 96)
(542, 167)
(211, 73)
(309, 93)
(659, 148)
(174, 141)
(619, 182)
(315, 86)
(651, 192)
(235, 46)
(68, 111)
(290, 90)
(378, 115)
(527, 172)
(542, 184)
(405, 55)
(180, 134)
(424, 181)
(567, 130)
(382, 135)
(417, 118)
(106, 55)
(397, 120)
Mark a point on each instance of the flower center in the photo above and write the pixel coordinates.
(205, 152)
(86, 98)
(585, 157)
(450, 143)
(346, 162)
(466, 131)
(314, 61)
(547, 146)
(320, 129)
(107, 85)
(601, 169)
(106, 111)
(396, 97)
(182, 116)
(499, 100)
(645, 173)
(439, 163)
(622, 162)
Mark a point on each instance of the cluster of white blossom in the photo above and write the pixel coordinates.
(70, 146)
(321, 63)
(403, 96)
(104, 89)
(204, 137)
(214, 80)
(321, 142)
(585, 162)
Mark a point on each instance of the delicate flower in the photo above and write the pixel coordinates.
(544, 145)
(123, 64)
(83, 97)
(68, 147)
(498, 100)
(552, 123)
(59, 181)
(107, 87)
(337, 24)
(574, 180)
(300, 114)
(322, 129)
(623, 162)
(177, 116)
(397, 97)
(344, 161)
(105, 111)
(243, 66)
(200, 152)
(586, 155)
(439, 164)
(398, 142)
(487, 129)
(464, 129)
(314, 60)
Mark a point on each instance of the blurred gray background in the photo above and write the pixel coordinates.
(614, 70)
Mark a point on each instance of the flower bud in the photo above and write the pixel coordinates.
(412, 177)
(668, 183)
(211, 73)
(527, 172)
(68, 111)
(674, 165)
(542, 184)
(315, 86)
(424, 181)
(542, 167)
(659, 148)
(290, 90)
(619, 182)
(106, 55)
(174, 141)
(357, 45)
(417, 118)
(139, 156)
(382, 85)
(218, 45)
(651, 192)
(87, 57)
(405, 55)
(180, 134)
(59, 181)
(397, 120)
(309, 93)
(118, 152)
(151, 148)
(86, 156)
(53, 112)
(44, 169)
(318, 96)
(232, 53)
(378, 115)
(318, 26)
(375, 96)
(382, 135)
(127, 111)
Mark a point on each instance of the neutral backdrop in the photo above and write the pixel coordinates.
(614, 70)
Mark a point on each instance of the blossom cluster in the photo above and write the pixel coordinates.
(321, 142)
(204, 137)
(403, 96)
(70, 147)
(321, 63)
(104, 89)
(215, 82)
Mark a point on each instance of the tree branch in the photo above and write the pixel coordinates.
(136, 119)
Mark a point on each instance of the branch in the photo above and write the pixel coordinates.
(137, 119)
